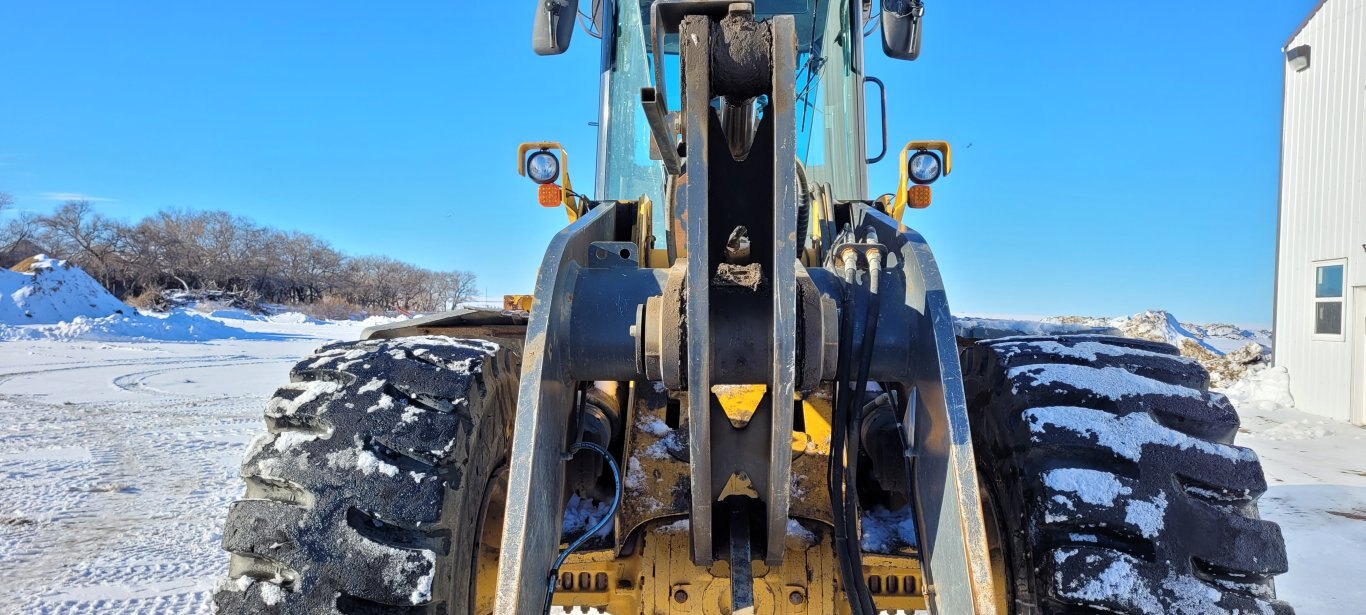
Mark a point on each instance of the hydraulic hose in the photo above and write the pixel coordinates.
(859, 590)
(597, 527)
(803, 209)
(835, 479)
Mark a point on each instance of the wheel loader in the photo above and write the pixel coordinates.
(737, 387)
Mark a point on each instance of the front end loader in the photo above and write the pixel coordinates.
(737, 388)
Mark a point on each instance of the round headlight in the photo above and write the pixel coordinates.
(924, 167)
(543, 167)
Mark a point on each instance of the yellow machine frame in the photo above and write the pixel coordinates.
(650, 569)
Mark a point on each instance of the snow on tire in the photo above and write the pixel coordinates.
(364, 495)
(1114, 480)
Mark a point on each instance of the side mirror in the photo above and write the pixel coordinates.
(554, 26)
(901, 21)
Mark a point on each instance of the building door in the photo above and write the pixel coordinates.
(1357, 334)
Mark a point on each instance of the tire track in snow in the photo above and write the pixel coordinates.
(116, 506)
(136, 382)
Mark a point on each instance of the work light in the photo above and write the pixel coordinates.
(924, 167)
(542, 167)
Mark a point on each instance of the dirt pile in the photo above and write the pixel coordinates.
(42, 290)
(1226, 351)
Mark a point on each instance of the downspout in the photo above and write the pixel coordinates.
(1280, 213)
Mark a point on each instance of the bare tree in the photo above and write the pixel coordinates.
(14, 234)
(76, 231)
(449, 289)
(215, 250)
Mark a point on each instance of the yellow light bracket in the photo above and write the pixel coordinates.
(553, 195)
(918, 196)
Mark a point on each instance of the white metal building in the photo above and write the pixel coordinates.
(1320, 321)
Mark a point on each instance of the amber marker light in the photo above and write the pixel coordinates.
(548, 195)
(918, 196)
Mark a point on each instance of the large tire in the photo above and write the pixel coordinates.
(366, 494)
(1110, 473)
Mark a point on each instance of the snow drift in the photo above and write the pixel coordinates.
(50, 291)
(55, 300)
(1225, 351)
(174, 327)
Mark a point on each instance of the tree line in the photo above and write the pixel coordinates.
(215, 250)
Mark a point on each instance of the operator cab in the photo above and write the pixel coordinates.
(831, 133)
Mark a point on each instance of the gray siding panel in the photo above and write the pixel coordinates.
(1323, 203)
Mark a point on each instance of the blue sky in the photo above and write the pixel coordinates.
(1121, 158)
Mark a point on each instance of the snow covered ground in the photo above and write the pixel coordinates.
(117, 462)
(1316, 470)
(118, 459)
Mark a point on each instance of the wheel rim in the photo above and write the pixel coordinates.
(996, 549)
(484, 572)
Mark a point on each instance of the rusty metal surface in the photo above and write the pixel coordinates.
(657, 475)
(694, 40)
(810, 499)
(657, 484)
(666, 17)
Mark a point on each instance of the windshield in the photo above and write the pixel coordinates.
(830, 131)
(829, 82)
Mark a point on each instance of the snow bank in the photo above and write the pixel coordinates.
(1161, 326)
(293, 318)
(299, 318)
(53, 291)
(1262, 389)
(981, 328)
(1265, 392)
(174, 327)
(384, 320)
(1225, 351)
(284, 318)
(55, 300)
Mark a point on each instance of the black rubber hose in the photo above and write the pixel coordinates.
(853, 439)
(597, 527)
(803, 209)
(835, 478)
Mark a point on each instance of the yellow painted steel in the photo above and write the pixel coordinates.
(518, 303)
(649, 569)
(574, 206)
(739, 401)
(659, 577)
(643, 235)
(896, 582)
(899, 204)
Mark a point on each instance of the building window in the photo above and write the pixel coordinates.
(1328, 300)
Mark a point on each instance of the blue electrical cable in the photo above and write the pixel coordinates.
(597, 527)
